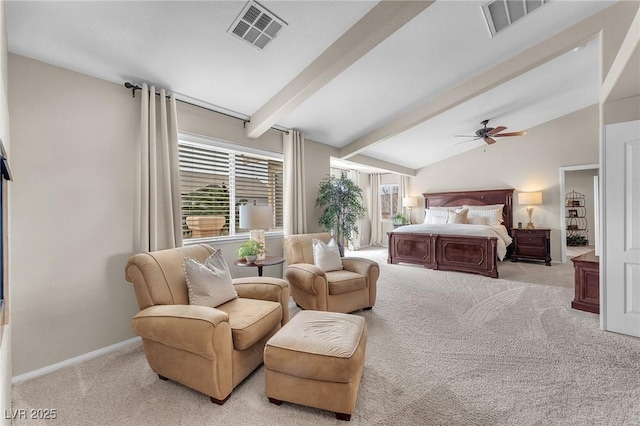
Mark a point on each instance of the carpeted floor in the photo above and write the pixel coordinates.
(444, 349)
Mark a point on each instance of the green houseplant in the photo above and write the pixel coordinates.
(399, 219)
(206, 211)
(341, 201)
(250, 250)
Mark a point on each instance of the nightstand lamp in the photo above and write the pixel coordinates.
(257, 219)
(530, 199)
(409, 202)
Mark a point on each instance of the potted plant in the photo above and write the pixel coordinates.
(206, 211)
(399, 219)
(341, 201)
(250, 250)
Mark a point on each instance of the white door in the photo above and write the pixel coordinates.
(620, 259)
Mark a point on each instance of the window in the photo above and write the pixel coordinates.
(216, 178)
(388, 200)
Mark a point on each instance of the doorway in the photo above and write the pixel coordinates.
(579, 179)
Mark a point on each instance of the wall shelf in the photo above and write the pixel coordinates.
(576, 211)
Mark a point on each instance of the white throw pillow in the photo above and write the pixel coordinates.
(436, 212)
(498, 207)
(477, 220)
(457, 216)
(439, 221)
(209, 284)
(326, 256)
(493, 216)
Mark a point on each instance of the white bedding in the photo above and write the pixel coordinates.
(499, 231)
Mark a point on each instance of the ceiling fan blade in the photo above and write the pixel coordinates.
(496, 130)
(510, 134)
(489, 141)
(469, 140)
(465, 136)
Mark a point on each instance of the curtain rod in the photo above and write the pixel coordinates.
(135, 87)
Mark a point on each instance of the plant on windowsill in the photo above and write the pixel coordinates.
(341, 200)
(250, 250)
(399, 219)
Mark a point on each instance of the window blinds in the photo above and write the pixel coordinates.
(214, 181)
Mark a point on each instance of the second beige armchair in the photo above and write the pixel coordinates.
(347, 290)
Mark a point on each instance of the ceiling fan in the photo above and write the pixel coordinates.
(489, 133)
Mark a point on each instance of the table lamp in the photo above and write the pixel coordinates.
(409, 202)
(257, 219)
(530, 199)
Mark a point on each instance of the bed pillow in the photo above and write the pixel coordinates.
(476, 220)
(499, 207)
(209, 284)
(457, 216)
(485, 207)
(438, 212)
(494, 216)
(439, 220)
(326, 256)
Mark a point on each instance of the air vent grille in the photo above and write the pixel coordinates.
(256, 25)
(501, 14)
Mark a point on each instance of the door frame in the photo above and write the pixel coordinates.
(563, 220)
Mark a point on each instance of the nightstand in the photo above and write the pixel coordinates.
(587, 282)
(531, 244)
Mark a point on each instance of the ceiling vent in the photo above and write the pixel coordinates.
(501, 14)
(256, 25)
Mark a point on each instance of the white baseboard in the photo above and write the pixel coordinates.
(72, 361)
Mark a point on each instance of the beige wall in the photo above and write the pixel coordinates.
(316, 167)
(74, 144)
(528, 163)
(72, 208)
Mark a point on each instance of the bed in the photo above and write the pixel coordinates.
(452, 248)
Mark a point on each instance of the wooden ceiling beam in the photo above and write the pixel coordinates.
(378, 24)
(537, 55)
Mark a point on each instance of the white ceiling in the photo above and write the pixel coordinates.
(184, 46)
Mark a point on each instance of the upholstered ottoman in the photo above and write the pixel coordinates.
(316, 360)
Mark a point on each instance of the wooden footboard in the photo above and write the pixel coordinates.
(472, 254)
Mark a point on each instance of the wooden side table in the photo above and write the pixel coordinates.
(267, 261)
(587, 282)
(531, 244)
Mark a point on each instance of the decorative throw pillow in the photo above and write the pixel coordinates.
(326, 256)
(209, 284)
(457, 216)
(493, 215)
(476, 220)
(432, 214)
(498, 207)
(439, 220)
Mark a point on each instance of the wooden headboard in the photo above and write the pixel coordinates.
(474, 198)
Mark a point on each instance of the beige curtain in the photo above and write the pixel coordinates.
(377, 233)
(295, 210)
(159, 220)
(403, 190)
(354, 176)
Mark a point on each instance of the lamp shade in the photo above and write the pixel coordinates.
(409, 201)
(530, 198)
(256, 217)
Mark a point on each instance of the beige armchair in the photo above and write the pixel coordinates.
(207, 349)
(345, 291)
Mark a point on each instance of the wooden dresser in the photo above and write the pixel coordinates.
(587, 282)
(531, 244)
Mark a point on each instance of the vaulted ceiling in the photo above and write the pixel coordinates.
(394, 81)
